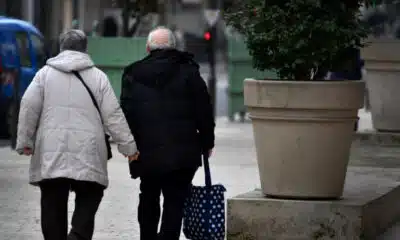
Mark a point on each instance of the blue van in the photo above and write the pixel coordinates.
(22, 54)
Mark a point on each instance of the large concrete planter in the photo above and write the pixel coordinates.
(303, 132)
(382, 62)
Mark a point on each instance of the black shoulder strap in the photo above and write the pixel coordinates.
(76, 73)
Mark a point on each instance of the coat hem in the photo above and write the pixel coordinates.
(102, 180)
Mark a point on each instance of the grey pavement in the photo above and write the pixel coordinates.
(233, 164)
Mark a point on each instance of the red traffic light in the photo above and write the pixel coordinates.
(207, 36)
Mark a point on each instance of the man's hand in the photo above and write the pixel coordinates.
(134, 157)
(27, 151)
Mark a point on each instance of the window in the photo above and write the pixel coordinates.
(39, 50)
(23, 49)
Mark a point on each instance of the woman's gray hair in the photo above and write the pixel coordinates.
(155, 45)
(74, 40)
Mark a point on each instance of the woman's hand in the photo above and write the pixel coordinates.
(134, 157)
(27, 151)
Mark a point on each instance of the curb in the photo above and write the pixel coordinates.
(372, 137)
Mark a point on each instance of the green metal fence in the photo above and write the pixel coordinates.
(112, 55)
(240, 67)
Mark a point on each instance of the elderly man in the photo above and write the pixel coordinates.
(168, 109)
(60, 126)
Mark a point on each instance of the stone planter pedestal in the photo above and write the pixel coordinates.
(369, 208)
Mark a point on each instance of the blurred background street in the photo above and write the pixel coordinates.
(117, 31)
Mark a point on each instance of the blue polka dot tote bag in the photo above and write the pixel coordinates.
(204, 213)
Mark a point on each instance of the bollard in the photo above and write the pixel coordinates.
(14, 108)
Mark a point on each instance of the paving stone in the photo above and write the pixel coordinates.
(233, 164)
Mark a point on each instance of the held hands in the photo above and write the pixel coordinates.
(27, 151)
(133, 157)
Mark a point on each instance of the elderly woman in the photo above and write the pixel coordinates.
(64, 132)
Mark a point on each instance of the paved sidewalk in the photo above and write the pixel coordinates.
(234, 165)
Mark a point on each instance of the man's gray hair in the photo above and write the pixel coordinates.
(74, 40)
(155, 45)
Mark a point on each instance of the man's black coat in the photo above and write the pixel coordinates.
(169, 112)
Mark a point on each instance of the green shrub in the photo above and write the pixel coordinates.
(298, 38)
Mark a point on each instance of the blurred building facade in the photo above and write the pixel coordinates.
(93, 16)
(53, 16)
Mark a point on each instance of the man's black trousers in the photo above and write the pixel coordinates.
(175, 187)
(54, 208)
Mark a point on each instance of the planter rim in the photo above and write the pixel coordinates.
(381, 40)
(322, 82)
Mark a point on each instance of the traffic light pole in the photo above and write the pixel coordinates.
(212, 80)
(211, 14)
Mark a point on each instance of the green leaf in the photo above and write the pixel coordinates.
(295, 36)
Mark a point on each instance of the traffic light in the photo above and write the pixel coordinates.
(207, 36)
(210, 41)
